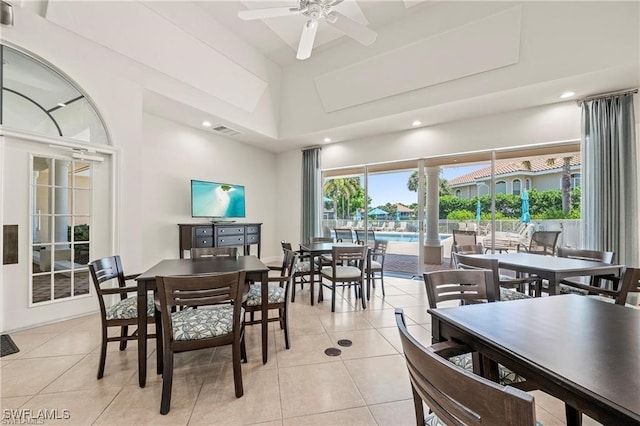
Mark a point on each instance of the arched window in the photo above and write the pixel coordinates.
(576, 180)
(501, 187)
(516, 187)
(527, 184)
(37, 98)
(458, 193)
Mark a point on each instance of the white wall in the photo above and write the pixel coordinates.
(173, 155)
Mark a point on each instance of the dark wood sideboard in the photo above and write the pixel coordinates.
(219, 235)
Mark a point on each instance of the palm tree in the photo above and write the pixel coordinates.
(566, 179)
(341, 188)
(412, 184)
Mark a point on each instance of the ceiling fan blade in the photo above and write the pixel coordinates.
(306, 39)
(271, 12)
(353, 29)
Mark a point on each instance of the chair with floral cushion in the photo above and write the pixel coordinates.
(278, 295)
(454, 395)
(216, 322)
(109, 279)
(303, 271)
(376, 270)
(469, 286)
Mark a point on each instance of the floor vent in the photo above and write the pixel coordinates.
(225, 130)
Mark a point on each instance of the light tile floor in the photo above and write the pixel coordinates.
(368, 384)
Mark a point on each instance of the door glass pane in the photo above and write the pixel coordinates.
(80, 283)
(57, 267)
(61, 285)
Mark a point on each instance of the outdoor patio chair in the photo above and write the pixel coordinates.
(343, 235)
(455, 396)
(542, 242)
(462, 238)
(508, 240)
(402, 227)
(369, 234)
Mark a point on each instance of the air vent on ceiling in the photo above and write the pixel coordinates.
(225, 130)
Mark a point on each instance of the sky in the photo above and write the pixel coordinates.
(392, 187)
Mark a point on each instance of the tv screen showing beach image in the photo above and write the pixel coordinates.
(212, 199)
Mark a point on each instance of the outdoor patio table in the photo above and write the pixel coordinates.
(554, 269)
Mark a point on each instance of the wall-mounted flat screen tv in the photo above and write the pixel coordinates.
(217, 200)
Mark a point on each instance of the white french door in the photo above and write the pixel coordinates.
(63, 208)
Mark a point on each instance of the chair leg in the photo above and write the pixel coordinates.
(285, 320)
(364, 299)
(124, 332)
(382, 282)
(103, 353)
(237, 368)
(418, 407)
(333, 297)
(159, 343)
(293, 290)
(243, 348)
(167, 382)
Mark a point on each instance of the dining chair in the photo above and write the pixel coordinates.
(366, 235)
(209, 252)
(572, 284)
(465, 249)
(375, 270)
(462, 238)
(347, 267)
(109, 279)
(324, 259)
(303, 271)
(542, 242)
(504, 283)
(277, 297)
(454, 395)
(219, 323)
(468, 286)
(629, 282)
(343, 235)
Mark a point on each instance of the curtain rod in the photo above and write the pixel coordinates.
(607, 95)
(307, 148)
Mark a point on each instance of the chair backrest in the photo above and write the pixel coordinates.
(345, 255)
(464, 261)
(199, 290)
(467, 286)
(544, 242)
(321, 240)
(455, 395)
(573, 253)
(630, 284)
(108, 278)
(343, 235)
(209, 252)
(286, 245)
(369, 234)
(464, 238)
(466, 249)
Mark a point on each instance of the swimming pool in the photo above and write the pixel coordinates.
(406, 237)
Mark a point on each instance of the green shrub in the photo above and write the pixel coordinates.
(461, 215)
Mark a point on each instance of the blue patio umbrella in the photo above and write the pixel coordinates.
(526, 217)
(357, 216)
(397, 215)
(377, 212)
(478, 211)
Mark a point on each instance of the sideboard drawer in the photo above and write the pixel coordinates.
(253, 229)
(253, 238)
(203, 231)
(204, 242)
(231, 240)
(230, 230)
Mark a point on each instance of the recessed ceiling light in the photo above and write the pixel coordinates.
(416, 123)
(327, 139)
(61, 104)
(566, 95)
(206, 123)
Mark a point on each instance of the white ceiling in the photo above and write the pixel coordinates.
(295, 106)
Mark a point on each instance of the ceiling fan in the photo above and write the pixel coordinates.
(315, 10)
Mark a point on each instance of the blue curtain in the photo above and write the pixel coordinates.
(311, 193)
(610, 177)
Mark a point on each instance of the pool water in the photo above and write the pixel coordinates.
(407, 237)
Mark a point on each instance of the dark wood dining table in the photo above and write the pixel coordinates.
(583, 351)
(554, 269)
(254, 268)
(317, 249)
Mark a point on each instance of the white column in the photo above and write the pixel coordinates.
(433, 206)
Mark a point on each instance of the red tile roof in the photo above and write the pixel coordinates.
(512, 166)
